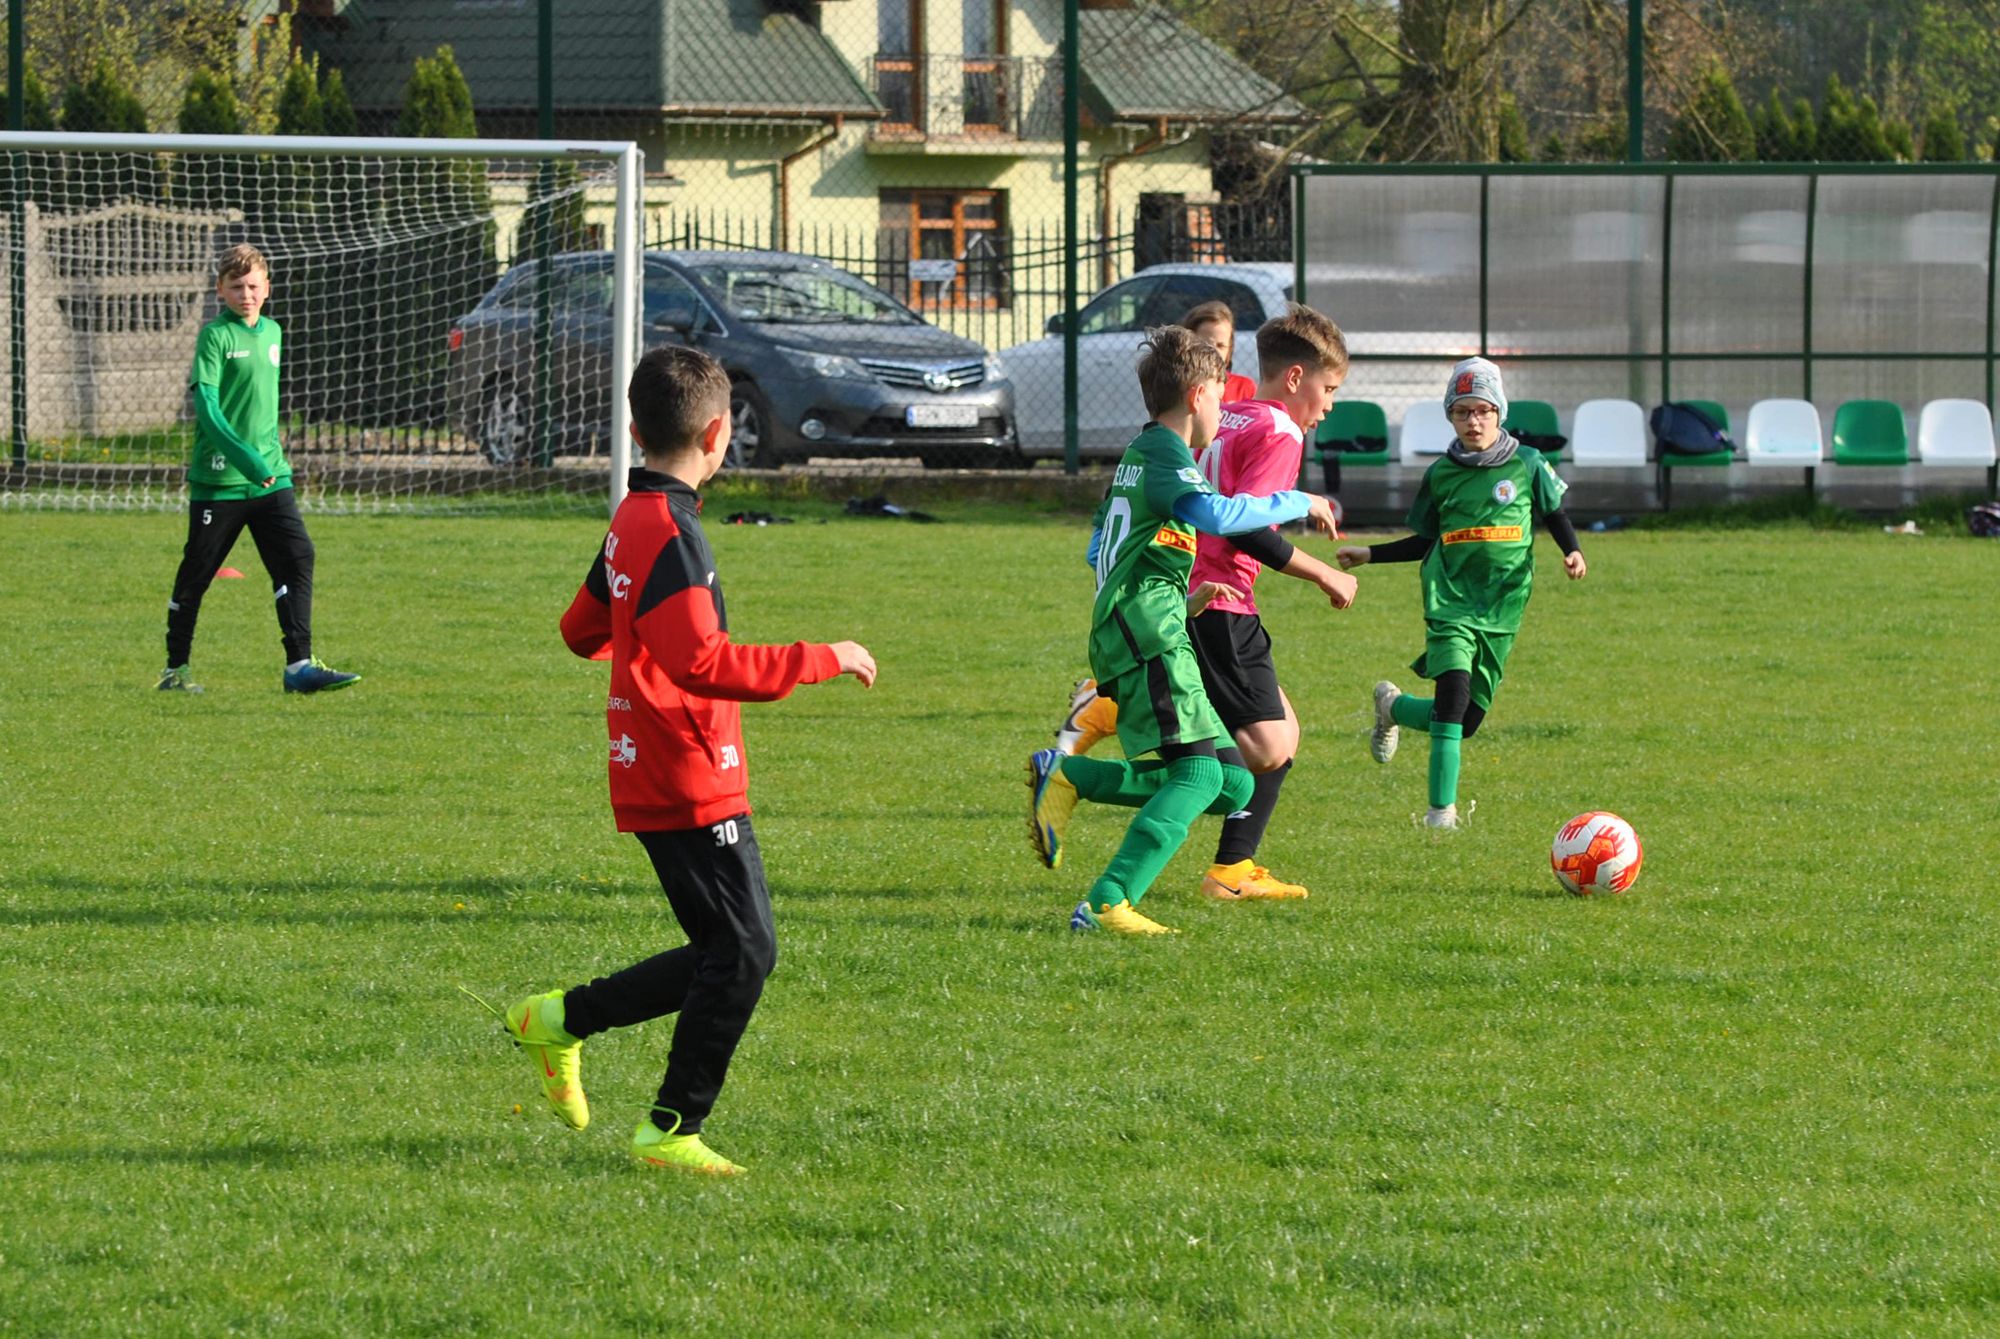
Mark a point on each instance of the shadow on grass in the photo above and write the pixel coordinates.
(426, 1152)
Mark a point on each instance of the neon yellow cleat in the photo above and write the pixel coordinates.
(1090, 721)
(1245, 882)
(679, 1152)
(1122, 919)
(535, 1025)
(1051, 801)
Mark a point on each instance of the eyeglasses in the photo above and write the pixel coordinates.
(1466, 413)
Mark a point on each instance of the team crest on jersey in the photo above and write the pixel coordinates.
(1194, 477)
(1504, 491)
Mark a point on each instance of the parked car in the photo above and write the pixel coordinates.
(1109, 409)
(819, 362)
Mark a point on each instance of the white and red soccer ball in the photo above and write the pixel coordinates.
(1596, 852)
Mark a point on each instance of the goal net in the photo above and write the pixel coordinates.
(459, 317)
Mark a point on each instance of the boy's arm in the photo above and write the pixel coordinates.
(1213, 514)
(675, 620)
(586, 624)
(208, 412)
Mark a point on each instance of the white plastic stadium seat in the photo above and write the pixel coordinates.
(1427, 433)
(1957, 433)
(1608, 432)
(1783, 432)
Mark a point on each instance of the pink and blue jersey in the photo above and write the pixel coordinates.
(1257, 449)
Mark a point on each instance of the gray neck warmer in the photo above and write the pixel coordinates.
(1499, 453)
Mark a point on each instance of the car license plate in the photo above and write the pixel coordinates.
(942, 416)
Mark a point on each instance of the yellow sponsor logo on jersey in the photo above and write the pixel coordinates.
(1175, 539)
(1484, 534)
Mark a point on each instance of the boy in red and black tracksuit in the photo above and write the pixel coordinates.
(652, 605)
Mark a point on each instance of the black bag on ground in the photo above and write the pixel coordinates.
(1681, 429)
(1983, 520)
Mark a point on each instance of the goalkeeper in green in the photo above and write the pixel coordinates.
(1143, 550)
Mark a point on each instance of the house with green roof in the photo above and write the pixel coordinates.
(929, 128)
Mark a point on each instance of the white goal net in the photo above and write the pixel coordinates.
(459, 317)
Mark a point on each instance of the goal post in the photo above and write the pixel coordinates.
(459, 317)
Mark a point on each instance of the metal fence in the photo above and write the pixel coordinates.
(1727, 283)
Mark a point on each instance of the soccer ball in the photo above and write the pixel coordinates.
(1596, 853)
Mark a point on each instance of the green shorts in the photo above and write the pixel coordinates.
(1162, 702)
(1453, 646)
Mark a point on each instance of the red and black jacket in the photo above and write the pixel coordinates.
(651, 605)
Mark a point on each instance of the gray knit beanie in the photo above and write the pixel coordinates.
(1476, 379)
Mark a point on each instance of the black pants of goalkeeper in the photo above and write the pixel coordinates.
(714, 881)
(279, 533)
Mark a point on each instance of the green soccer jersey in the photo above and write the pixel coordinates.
(1145, 556)
(1479, 572)
(232, 459)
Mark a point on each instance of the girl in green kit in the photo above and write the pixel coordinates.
(1474, 521)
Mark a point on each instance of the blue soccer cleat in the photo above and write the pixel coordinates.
(315, 676)
(1051, 801)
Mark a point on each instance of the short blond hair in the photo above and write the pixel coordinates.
(239, 260)
(1302, 336)
(1172, 362)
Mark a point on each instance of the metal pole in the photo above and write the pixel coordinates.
(1299, 235)
(1635, 81)
(542, 246)
(624, 315)
(1072, 129)
(17, 250)
(1992, 254)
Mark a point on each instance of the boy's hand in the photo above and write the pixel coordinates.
(268, 482)
(1322, 519)
(1574, 564)
(1351, 556)
(1339, 587)
(1207, 593)
(854, 659)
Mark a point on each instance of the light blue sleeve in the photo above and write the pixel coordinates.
(1214, 514)
(1096, 544)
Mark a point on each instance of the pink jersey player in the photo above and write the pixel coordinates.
(1258, 449)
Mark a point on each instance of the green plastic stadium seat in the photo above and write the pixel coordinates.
(1674, 460)
(1870, 432)
(1354, 432)
(1535, 423)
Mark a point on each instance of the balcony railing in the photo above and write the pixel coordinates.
(968, 97)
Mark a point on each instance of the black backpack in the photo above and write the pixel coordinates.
(1984, 520)
(1683, 430)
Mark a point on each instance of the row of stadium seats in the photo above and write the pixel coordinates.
(1615, 434)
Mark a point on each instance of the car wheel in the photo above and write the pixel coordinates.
(750, 444)
(505, 427)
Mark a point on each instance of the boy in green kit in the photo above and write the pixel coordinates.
(239, 479)
(1473, 518)
(1139, 648)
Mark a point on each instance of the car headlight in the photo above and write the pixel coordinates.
(829, 365)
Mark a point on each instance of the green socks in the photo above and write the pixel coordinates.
(1184, 789)
(1413, 713)
(1444, 761)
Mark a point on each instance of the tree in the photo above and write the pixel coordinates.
(1773, 129)
(209, 107)
(437, 103)
(102, 103)
(336, 110)
(300, 111)
(1514, 147)
(35, 113)
(1713, 128)
(1805, 132)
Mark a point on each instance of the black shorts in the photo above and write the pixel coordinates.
(1234, 652)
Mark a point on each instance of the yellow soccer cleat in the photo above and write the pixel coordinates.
(1122, 919)
(679, 1152)
(1246, 882)
(1090, 721)
(535, 1025)
(1051, 801)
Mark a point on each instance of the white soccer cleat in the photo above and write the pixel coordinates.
(1382, 740)
(1445, 818)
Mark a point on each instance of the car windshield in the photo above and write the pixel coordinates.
(780, 295)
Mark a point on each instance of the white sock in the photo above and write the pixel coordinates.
(297, 665)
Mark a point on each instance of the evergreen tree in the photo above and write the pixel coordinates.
(103, 104)
(1805, 132)
(1713, 128)
(300, 111)
(1553, 150)
(1776, 142)
(336, 110)
(35, 113)
(209, 107)
(1514, 147)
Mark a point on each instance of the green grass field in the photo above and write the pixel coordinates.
(1759, 1095)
